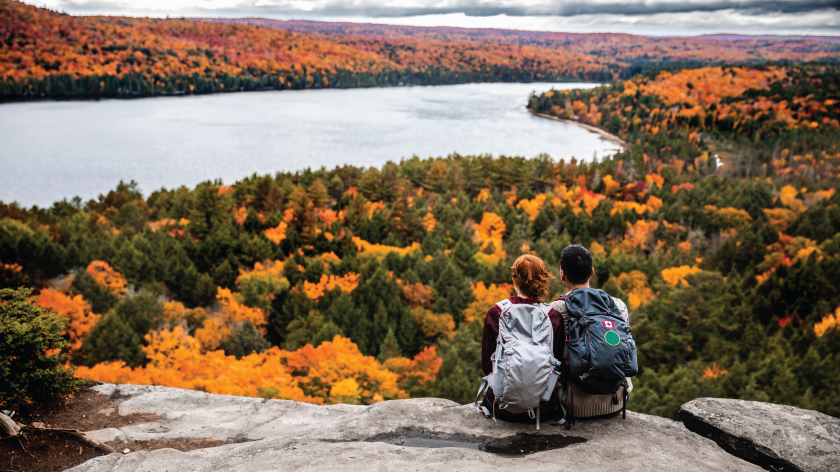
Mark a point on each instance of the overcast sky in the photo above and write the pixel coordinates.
(646, 17)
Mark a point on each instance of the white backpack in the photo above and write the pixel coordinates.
(523, 364)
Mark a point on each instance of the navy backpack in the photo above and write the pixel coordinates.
(602, 352)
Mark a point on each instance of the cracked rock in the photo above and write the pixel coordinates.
(776, 437)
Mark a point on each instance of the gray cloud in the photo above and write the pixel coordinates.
(647, 17)
(561, 8)
(577, 8)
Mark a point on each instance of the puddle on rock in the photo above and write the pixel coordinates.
(434, 443)
(525, 443)
(520, 444)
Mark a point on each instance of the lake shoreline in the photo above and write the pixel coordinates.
(594, 129)
(131, 95)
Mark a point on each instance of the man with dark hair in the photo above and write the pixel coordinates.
(575, 267)
(576, 272)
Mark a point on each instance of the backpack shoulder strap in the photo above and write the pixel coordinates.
(544, 307)
(504, 304)
(572, 300)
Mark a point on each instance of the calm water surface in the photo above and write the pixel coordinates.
(55, 150)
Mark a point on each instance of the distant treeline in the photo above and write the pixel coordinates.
(46, 54)
(136, 85)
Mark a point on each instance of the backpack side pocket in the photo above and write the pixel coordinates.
(577, 360)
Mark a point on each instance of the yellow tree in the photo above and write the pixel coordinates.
(485, 298)
(489, 233)
(635, 285)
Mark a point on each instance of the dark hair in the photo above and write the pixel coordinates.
(576, 264)
(531, 276)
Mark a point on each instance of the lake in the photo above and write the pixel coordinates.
(59, 149)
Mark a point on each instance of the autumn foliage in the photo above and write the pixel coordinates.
(830, 321)
(56, 54)
(635, 285)
(623, 47)
(334, 372)
(701, 106)
(107, 277)
(489, 234)
(80, 319)
(485, 298)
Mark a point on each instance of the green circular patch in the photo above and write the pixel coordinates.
(612, 338)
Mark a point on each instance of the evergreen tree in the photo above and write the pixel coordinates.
(112, 339)
(460, 371)
(408, 335)
(303, 220)
(452, 292)
(244, 340)
(318, 194)
(545, 218)
(100, 300)
(131, 216)
(211, 210)
(389, 347)
(194, 289)
(328, 332)
(119, 335)
(463, 257)
(224, 274)
(30, 345)
(614, 290)
(370, 185)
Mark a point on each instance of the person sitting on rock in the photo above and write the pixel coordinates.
(531, 281)
(576, 271)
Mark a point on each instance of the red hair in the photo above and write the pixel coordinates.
(531, 276)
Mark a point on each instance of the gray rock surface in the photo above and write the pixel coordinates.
(291, 436)
(777, 437)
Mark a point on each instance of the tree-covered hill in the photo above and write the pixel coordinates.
(640, 52)
(48, 54)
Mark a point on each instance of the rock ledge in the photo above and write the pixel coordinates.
(775, 437)
(260, 435)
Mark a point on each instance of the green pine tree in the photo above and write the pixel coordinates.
(452, 292)
(112, 339)
(27, 334)
(100, 300)
(389, 347)
(244, 340)
(460, 372)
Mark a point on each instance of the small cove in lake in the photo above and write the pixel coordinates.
(59, 149)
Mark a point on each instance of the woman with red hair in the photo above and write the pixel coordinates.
(531, 279)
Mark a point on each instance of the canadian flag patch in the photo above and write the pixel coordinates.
(608, 324)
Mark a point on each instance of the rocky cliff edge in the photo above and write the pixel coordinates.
(418, 434)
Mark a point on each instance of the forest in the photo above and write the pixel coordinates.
(639, 52)
(47, 54)
(719, 226)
